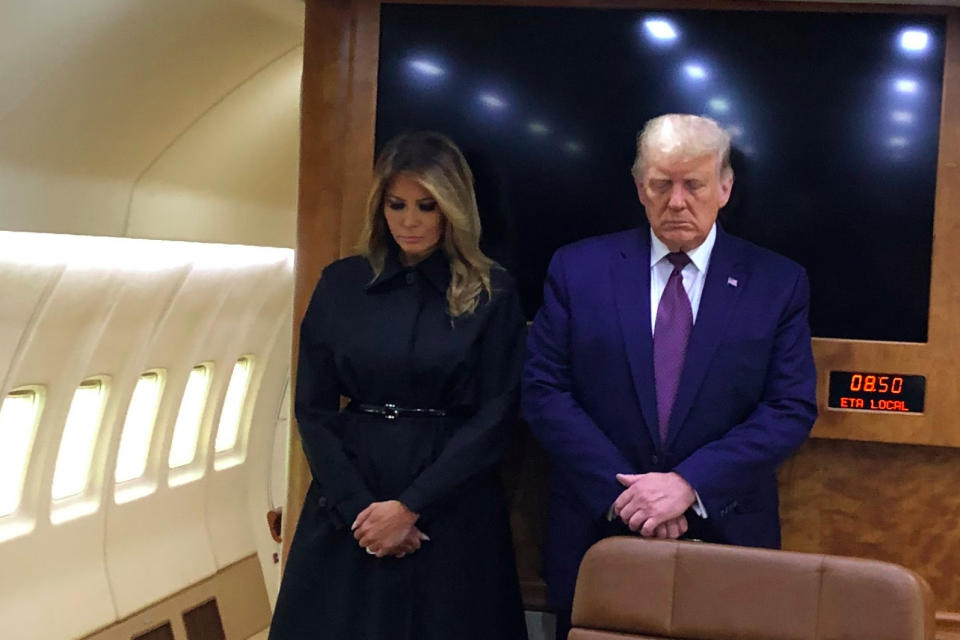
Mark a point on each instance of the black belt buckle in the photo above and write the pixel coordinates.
(390, 411)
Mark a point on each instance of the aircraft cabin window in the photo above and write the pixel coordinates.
(186, 431)
(229, 428)
(79, 439)
(138, 427)
(19, 415)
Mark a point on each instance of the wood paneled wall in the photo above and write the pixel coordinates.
(338, 115)
(890, 502)
(323, 116)
(895, 502)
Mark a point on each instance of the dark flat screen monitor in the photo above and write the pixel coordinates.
(834, 119)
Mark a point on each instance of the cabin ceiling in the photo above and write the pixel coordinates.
(115, 113)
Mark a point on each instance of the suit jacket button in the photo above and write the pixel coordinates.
(654, 460)
(409, 277)
(322, 501)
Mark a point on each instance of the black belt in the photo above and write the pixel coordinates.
(392, 412)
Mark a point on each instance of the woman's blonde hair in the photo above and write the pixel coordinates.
(436, 163)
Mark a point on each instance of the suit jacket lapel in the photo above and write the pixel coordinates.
(725, 280)
(631, 281)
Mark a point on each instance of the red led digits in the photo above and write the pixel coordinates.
(856, 382)
(872, 383)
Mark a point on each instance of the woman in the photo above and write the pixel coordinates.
(404, 531)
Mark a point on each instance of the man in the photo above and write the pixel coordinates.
(669, 370)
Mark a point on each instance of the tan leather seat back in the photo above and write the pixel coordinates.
(655, 589)
(591, 634)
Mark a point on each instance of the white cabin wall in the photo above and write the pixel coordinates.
(117, 308)
(227, 514)
(263, 461)
(268, 458)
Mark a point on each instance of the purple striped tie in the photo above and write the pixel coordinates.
(670, 336)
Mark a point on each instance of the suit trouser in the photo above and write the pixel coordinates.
(563, 624)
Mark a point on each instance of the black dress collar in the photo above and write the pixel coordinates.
(435, 268)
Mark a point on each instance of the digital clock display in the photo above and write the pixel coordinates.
(883, 392)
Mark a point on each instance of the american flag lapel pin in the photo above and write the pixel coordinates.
(732, 282)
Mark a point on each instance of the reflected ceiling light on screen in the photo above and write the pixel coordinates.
(914, 40)
(906, 85)
(719, 105)
(572, 146)
(538, 128)
(897, 142)
(901, 117)
(695, 71)
(735, 130)
(660, 29)
(426, 67)
(492, 101)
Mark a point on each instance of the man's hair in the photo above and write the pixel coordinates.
(682, 137)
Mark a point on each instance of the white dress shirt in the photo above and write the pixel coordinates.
(694, 274)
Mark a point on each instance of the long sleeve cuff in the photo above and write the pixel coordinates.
(349, 508)
(697, 507)
(414, 499)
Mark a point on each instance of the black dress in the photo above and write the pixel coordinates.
(392, 341)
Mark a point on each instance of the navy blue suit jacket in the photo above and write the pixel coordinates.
(746, 399)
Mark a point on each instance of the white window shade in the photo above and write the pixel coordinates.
(186, 431)
(79, 439)
(233, 404)
(19, 415)
(138, 427)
